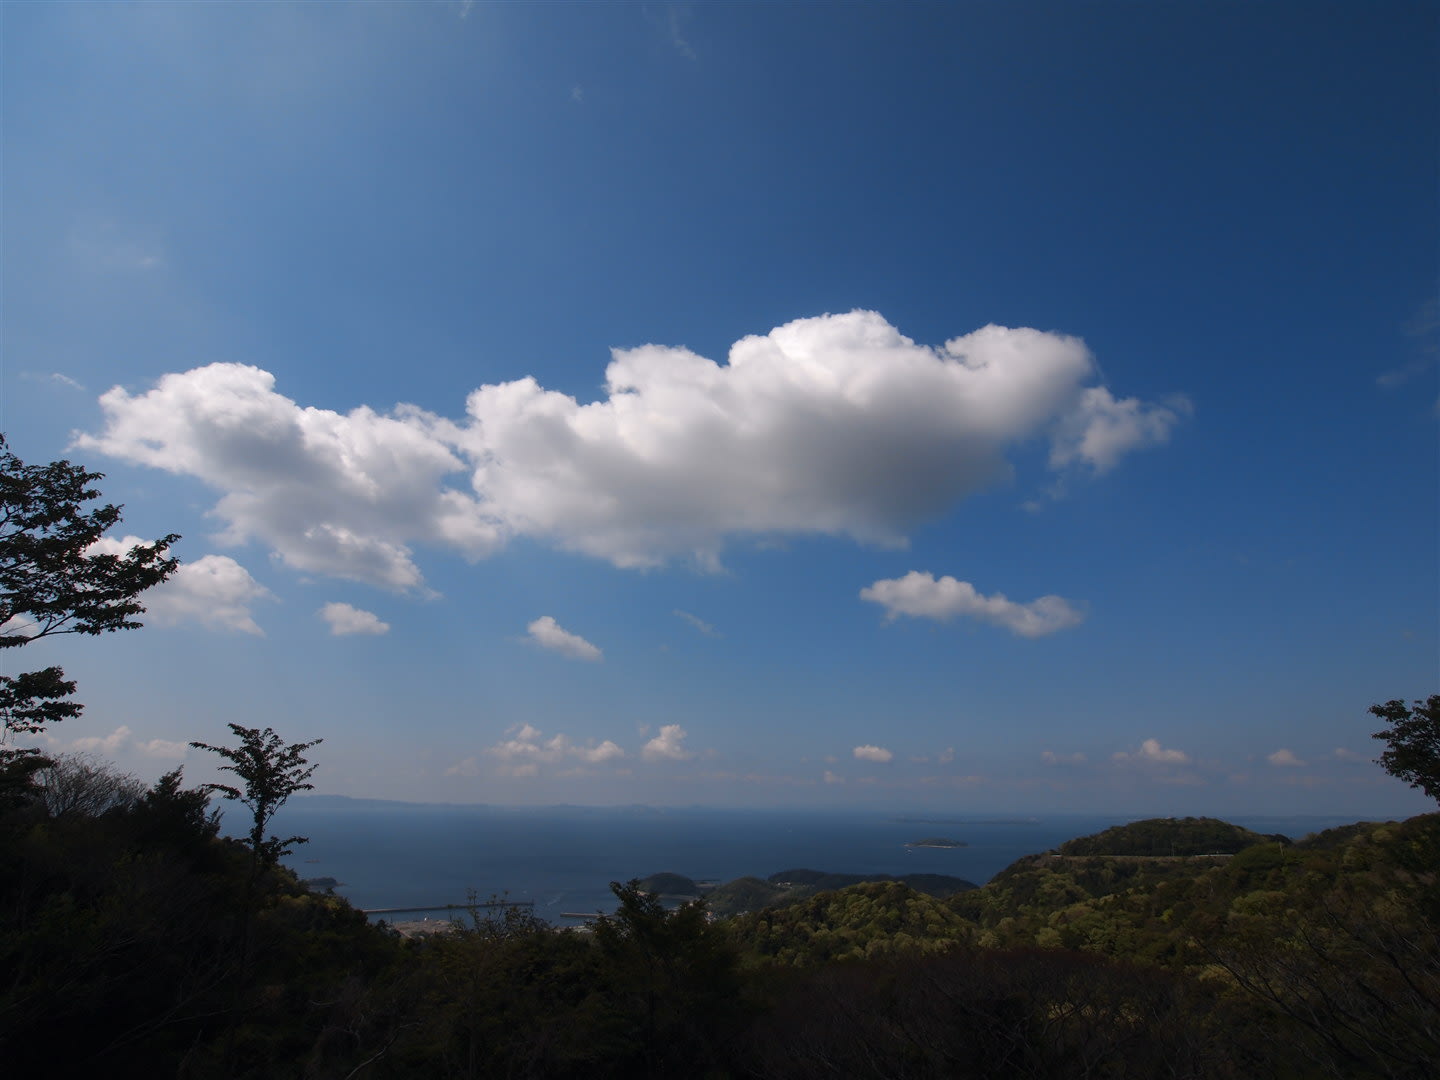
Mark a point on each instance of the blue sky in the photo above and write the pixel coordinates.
(970, 406)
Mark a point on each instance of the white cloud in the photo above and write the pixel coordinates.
(872, 753)
(214, 591)
(697, 622)
(344, 619)
(109, 745)
(1051, 758)
(1284, 758)
(675, 15)
(835, 425)
(527, 749)
(1348, 755)
(65, 380)
(606, 751)
(549, 634)
(669, 745)
(122, 739)
(1100, 430)
(833, 778)
(468, 767)
(946, 756)
(922, 596)
(163, 748)
(330, 494)
(1152, 753)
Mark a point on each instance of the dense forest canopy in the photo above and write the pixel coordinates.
(140, 941)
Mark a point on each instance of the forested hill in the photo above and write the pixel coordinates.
(1170, 836)
(135, 941)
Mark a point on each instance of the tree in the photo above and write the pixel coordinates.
(1413, 741)
(52, 581)
(272, 772)
(78, 785)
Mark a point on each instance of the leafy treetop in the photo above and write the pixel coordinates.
(51, 582)
(1413, 742)
(272, 772)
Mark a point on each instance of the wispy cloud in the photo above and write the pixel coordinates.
(697, 622)
(676, 16)
(920, 595)
(1424, 328)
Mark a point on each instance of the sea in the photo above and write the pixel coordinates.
(562, 859)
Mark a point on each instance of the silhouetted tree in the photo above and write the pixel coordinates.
(272, 772)
(51, 582)
(1413, 743)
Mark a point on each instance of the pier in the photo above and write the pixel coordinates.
(446, 907)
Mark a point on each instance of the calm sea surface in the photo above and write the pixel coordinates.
(563, 858)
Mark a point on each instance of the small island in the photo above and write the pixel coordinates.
(936, 842)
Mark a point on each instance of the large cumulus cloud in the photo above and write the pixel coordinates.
(834, 425)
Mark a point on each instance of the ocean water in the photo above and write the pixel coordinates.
(400, 855)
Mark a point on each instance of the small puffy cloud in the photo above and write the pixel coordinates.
(606, 751)
(833, 778)
(668, 745)
(872, 753)
(1152, 753)
(468, 767)
(697, 622)
(109, 745)
(836, 425)
(1342, 754)
(527, 748)
(1051, 758)
(946, 756)
(344, 619)
(122, 739)
(163, 748)
(549, 634)
(214, 591)
(1100, 429)
(1285, 759)
(922, 596)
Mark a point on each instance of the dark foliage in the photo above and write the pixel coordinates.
(135, 941)
(52, 583)
(1168, 836)
(273, 771)
(1412, 743)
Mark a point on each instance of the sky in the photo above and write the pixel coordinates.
(968, 406)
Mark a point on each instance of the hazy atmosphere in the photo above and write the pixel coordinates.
(991, 407)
